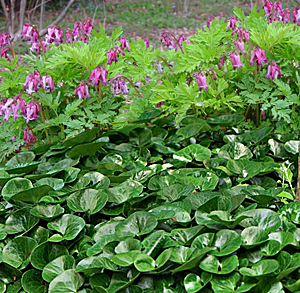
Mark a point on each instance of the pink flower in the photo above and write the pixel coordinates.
(221, 62)
(98, 74)
(268, 7)
(168, 39)
(209, 21)
(30, 33)
(236, 61)
(258, 55)
(69, 35)
(32, 110)
(5, 109)
(113, 54)
(263, 115)
(119, 85)
(213, 74)
(273, 71)
(4, 39)
(231, 22)
(4, 52)
(183, 38)
(87, 28)
(240, 46)
(82, 91)
(146, 41)
(124, 43)
(242, 33)
(47, 83)
(36, 47)
(28, 135)
(296, 14)
(201, 81)
(159, 105)
(55, 34)
(32, 82)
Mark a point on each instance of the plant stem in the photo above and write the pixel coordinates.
(298, 177)
(166, 63)
(177, 43)
(43, 119)
(138, 92)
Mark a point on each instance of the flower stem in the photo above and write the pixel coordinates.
(166, 63)
(138, 92)
(43, 119)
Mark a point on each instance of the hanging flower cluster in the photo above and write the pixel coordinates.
(28, 135)
(258, 56)
(113, 54)
(17, 108)
(231, 22)
(34, 82)
(273, 71)
(274, 12)
(82, 91)
(80, 32)
(201, 81)
(124, 43)
(98, 74)
(4, 43)
(119, 86)
(55, 34)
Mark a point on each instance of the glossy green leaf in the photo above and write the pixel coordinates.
(226, 120)
(55, 183)
(193, 152)
(221, 266)
(89, 200)
(94, 263)
(47, 212)
(45, 253)
(253, 236)
(17, 251)
(265, 219)
(20, 158)
(235, 151)
(15, 186)
(231, 284)
(20, 221)
(68, 282)
(128, 244)
(125, 191)
(139, 223)
(125, 259)
(261, 268)
(32, 282)
(144, 263)
(226, 242)
(57, 267)
(292, 146)
(69, 226)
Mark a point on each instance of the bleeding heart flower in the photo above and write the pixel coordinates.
(201, 81)
(82, 91)
(273, 71)
(98, 74)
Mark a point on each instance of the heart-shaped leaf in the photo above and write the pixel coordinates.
(68, 282)
(226, 242)
(32, 282)
(17, 251)
(192, 152)
(222, 266)
(69, 226)
(57, 267)
(139, 223)
(261, 268)
(89, 200)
